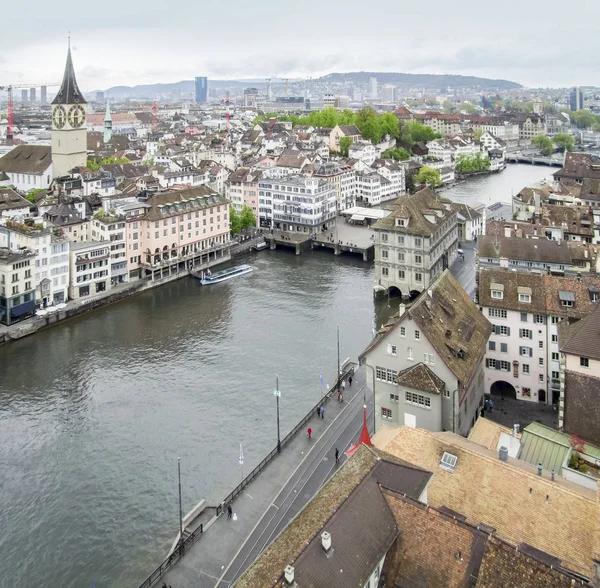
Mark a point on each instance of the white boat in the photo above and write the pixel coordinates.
(260, 246)
(207, 278)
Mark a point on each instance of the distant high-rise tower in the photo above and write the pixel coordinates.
(576, 99)
(24, 95)
(32, 94)
(201, 89)
(44, 94)
(373, 88)
(107, 124)
(69, 132)
(388, 93)
(99, 96)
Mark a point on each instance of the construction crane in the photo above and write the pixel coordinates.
(286, 80)
(9, 89)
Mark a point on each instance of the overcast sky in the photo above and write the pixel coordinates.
(128, 43)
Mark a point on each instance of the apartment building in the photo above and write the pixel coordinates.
(111, 227)
(414, 244)
(297, 204)
(526, 310)
(89, 268)
(17, 289)
(181, 230)
(343, 179)
(427, 364)
(382, 182)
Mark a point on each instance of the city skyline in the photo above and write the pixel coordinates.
(153, 45)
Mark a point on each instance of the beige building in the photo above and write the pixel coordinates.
(414, 244)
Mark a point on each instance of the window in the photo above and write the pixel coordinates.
(497, 313)
(448, 461)
(491, 363)
(554, 338)
(555, 375)
(418, 241)
(384, 237)
(497, 294)
(386, 413)
(541, 377)
(401, 275)
(554, 320)
(503, 347)
(525, 334)
(541, 344)
(555, 356)
(492, 346)
(539, 319)
(400, 239)
(524, 297)
(417, 399)
(501, 330)
(428, 358)
(394, 397)
(525, 367)
(523, 317)
(417, 335)
(391, 349)
(418, 259)
(418, 277)
(384, 253)
(402, 331)
(584, 362)
(401, 256)
(567, 303)
(385, 375)
(526, 351)
(384, 271)
(505, 366)
(409, 353)
(541, 361)
(446, 393)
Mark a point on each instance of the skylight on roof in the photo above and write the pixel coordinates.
(448, 462)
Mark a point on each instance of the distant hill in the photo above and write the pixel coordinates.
(429, 81)
(404, 80)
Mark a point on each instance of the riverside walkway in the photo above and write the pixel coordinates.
(274, 497)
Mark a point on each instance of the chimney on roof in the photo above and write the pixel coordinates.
(448, 333)
(430, 293)
(401, 309)
(503, 453)
(289, 575)
(515, 430)
(326, 541)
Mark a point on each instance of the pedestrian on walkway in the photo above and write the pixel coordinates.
(229, 512)
(322, 413)
(309, 432)
(318, 411)
(350, 380)
(491, 405)
(343, 386)
(337, 455)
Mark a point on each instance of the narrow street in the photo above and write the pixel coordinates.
(464, 271)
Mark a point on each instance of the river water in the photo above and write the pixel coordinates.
(95, 411)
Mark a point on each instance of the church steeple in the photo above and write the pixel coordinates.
(69, 90)
(107, 124)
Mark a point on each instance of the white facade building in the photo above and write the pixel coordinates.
(89, 268)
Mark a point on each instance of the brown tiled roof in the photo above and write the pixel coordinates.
(582, 406)
(537, 250)
(579, 165)
(573, 219)
(350, 130)
(414, 207)
(511, 282)
(581, 289)
(27, 159)
(420, 377)
(9, 200)
(292, 159)
(584, 339)
(197, 198)
(487, 433)
(453, 324)
(339, 506)
(519, 229)
(436, 550)
(558, 517)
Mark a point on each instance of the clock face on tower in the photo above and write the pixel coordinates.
(76, 116)
(59, 117)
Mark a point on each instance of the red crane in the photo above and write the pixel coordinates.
(9, 89)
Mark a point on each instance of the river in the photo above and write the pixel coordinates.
(95, 411)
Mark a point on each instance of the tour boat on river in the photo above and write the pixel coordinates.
(206, 278)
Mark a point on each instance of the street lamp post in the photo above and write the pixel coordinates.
(180, 507)
(277, 394)
(338, 360)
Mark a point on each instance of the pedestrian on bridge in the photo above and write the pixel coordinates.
(322, 412)
(337, 456)
(229, 512)
(350, 381)
(309, 432)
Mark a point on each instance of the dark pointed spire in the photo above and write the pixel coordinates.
(69, 90)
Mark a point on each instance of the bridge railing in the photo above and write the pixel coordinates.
(347, 370)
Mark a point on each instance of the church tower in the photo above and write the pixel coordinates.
(69, 131)
(107, 125)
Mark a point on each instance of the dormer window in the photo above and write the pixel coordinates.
(401, 222)
(567, 299)
(497, 294)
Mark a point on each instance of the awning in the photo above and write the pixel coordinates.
(566, 295)
(357, 217)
